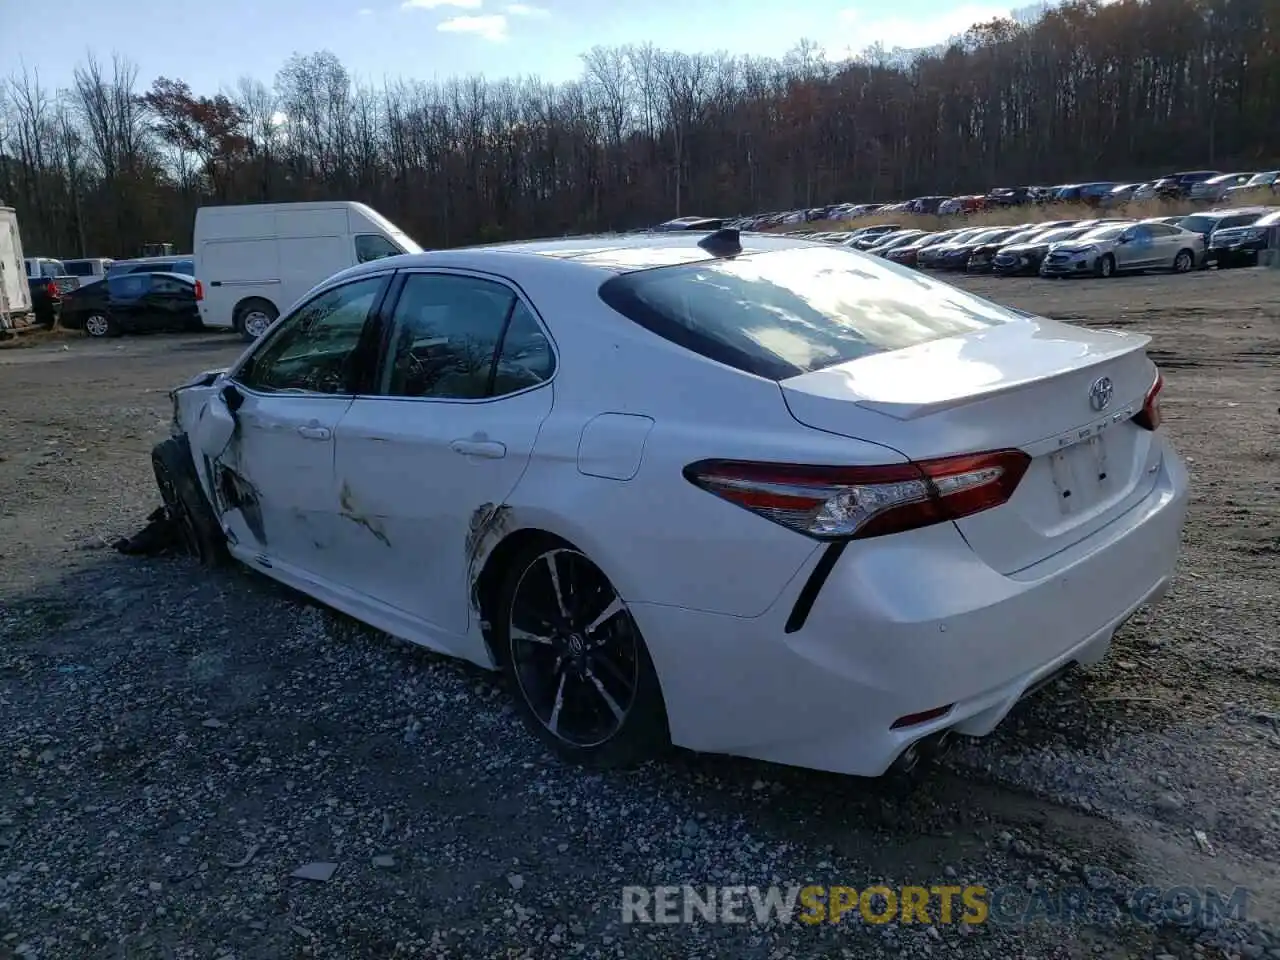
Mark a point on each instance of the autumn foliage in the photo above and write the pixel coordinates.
(1127, 90)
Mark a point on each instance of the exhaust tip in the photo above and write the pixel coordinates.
(941, 744)
(907, 760)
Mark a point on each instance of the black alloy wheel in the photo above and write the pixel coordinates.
(576, 660)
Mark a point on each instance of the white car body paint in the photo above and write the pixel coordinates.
(971, 613)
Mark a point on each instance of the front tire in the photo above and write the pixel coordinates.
(99, 325)
(186, 503)
(1106, 266)
(576, 663)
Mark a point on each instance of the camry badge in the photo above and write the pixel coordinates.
(1100, 393)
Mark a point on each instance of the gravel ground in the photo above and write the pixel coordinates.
(174, 743)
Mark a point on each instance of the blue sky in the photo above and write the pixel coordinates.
(212, 44)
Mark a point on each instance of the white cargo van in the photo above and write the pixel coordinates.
(254, 261)
(15, 292)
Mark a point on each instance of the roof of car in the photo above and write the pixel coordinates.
(617, 253)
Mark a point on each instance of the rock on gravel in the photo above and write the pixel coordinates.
(175, 743)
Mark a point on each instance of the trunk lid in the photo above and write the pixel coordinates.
(1027, 384)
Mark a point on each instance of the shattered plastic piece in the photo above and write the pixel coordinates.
(321, 871)
(161, 535)
(1202, 841)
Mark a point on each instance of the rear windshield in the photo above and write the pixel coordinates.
(79, 268)
(789, 312)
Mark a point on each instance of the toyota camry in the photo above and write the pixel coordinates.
(743, 494)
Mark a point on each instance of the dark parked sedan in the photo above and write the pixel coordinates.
(133, 302)
(892, 241)
(909, 253)
(984, 250)
(1023, 259)
(957, 253)
(931, 257)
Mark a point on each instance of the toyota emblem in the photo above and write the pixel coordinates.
(1100, 393)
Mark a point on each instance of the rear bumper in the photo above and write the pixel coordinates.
(905, 624)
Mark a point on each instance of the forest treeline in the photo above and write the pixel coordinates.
(1085, 91)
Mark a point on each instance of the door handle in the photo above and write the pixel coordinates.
(489, 449)
(314, 432)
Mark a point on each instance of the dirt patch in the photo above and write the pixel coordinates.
(158, 721)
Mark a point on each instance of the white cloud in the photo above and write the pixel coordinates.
(492, 27)
(527, 10)
(865, 27)
(436, 4)
(365, 12)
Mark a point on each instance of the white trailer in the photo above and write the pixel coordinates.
(15, 293)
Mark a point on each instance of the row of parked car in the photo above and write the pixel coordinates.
(1206, 186)
(107, 297)
(1063, 248)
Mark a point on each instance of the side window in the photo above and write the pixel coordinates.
(169, 285)
(370, 246)
(314, 350)
(130, 286)
(445, 333)
(526, 358)
(1162, 230)
(1240, 220)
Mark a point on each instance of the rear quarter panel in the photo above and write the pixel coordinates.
(658, 537)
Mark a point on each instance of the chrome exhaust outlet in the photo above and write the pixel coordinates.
(907, 759)
(938, 745)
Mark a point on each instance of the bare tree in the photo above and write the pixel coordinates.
(1061, 92)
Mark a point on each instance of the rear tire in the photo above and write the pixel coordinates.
(611, 712)
(253, 317)
(186, 503)
(1184, 262)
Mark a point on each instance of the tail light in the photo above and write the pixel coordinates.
(199, 291)
(841, 503)
(52, 292)
(1150, 415)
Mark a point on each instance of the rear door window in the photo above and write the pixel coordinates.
(789, 312)
(129, 286)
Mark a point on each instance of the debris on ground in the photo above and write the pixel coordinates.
(161, 535)
(112, 778)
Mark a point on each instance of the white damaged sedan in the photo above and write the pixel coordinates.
(743, 494)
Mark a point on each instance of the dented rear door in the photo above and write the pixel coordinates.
(418, 481)
(424, 467)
